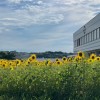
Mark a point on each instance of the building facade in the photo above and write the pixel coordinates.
(87, 38)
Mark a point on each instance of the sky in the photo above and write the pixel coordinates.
(43, 25)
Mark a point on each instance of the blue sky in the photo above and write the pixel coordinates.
(43, 25)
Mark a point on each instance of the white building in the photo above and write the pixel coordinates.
(87, 38)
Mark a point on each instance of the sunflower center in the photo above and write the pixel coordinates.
(33, 57)
(93, 57)
(97, 58)
(3, 65)
(64, 58)
(17, 62)
(58, 62)
(80, 54)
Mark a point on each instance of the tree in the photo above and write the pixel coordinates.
(7, 55)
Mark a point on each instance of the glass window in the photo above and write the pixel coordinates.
(90, 37)
(74, 43)
(87, 37)
(77, 42)
(95, 34)
(84, 38)
(81, 41)
(98, 34)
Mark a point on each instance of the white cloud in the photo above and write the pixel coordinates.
(78, 1)
(64, 16)
(3, 29)
(32, 15)
(14, 1)
(40, 2)
(93, 1)
(49, 13)
(18, 1)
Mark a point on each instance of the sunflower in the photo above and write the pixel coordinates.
(80, 54)
(22, 61)
(64, 58)
(33, 57)
(26, 63)
(92, 56)
(70, 59)
(29, 59)
(3, 65)
(77, 59)
(97, 58)
(42, 63)
(58, 63)
(10, 63)
(48, 62)
(90, 61)
(57, 59)
(13, 63)
(18, 62)
(38, 64)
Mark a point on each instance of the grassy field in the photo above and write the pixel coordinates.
(67, 79)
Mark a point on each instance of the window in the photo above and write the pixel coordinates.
(87, 37)
(77, 42)
(81, 41)
(95, 34)
(92, 35)
(74, 43)
(98, 33)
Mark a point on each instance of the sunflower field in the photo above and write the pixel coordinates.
(74, 78)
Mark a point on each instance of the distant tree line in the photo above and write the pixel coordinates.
(50, 54)
(7, 55)
(11, 55)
